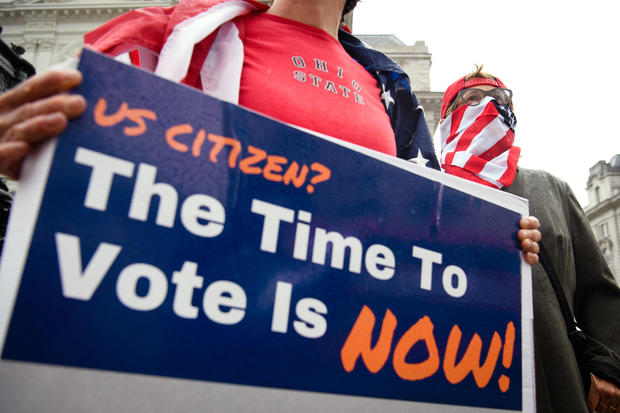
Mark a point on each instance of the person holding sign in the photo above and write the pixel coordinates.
(477, 135)
(294, 62)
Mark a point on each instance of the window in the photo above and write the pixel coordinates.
(604, 230)
(597, 193)
(608, 256)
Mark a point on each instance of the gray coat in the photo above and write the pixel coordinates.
(588, 284)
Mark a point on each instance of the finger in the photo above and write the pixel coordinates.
(607, 392)
(37, 128)
(529, 223)
(532, 234)
(12, 155)
(40, 86)
(604, 402)
(527, 245)
(614, 400)
(530, 251)
(593, 397)
(531, 258)
(70, 105)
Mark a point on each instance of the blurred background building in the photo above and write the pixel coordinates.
(51, 31)
(603, 210)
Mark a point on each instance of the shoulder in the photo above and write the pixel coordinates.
(546, 193)
(541, 179)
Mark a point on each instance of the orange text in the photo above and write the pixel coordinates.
(135, 116)
(250, 160)
(358, 345)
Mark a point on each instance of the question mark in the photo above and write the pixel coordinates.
(324, 174)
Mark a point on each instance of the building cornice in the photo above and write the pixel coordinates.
(399, 53)
(603, 207)
(429, 94)
(70, 9)
(601, 176)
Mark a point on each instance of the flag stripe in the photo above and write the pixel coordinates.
(485, 118)
(477, 145)
(499, 147)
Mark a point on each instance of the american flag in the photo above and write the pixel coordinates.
(477, 144)
(413, 138)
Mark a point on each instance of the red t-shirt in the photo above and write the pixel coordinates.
(301, 75)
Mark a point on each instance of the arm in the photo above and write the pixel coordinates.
(597, 295)
(597, 303)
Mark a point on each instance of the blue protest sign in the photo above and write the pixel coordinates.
(184, 237)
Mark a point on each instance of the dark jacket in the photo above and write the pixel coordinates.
(589, 287)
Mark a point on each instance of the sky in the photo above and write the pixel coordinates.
(561, 58)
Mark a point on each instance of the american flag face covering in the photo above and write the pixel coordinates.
(476, 143)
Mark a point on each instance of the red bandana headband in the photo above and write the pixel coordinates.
(461, 84)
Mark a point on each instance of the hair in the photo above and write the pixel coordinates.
(476, 74)
(349, 6)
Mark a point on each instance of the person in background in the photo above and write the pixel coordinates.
(477, 143)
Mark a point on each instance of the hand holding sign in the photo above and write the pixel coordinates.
(35, 110)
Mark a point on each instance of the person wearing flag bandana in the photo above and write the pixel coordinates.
(477, 143)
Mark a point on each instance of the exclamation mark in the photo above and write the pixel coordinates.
(509, 345)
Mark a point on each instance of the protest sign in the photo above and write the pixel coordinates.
(170, 234)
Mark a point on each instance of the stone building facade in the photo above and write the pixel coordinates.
(416, 61)
(603, 210)
(51, 31)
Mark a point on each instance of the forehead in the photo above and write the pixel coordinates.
(483, 87)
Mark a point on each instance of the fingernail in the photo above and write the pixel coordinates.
(75, 104)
